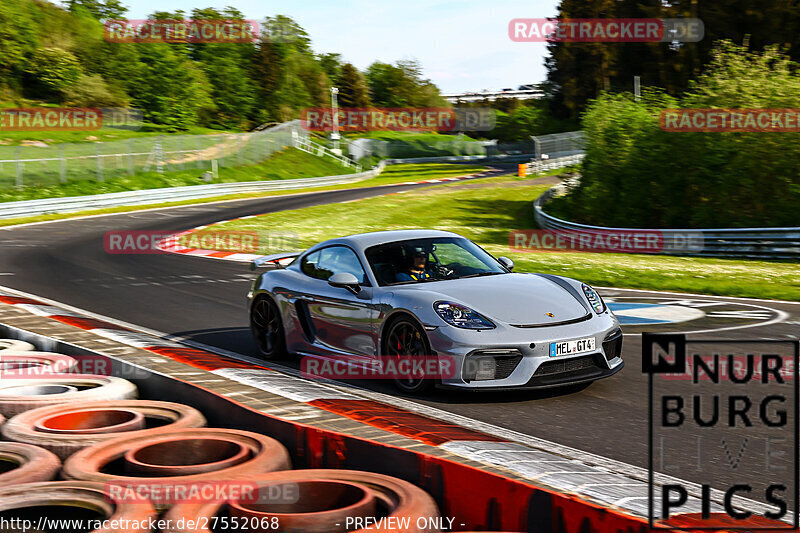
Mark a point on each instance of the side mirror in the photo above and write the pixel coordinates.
(345, 280)
(506, 262)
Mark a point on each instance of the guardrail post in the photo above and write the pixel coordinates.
(130, 157)
(62, 164)
(198, 149)
(17, 155)
(99, 162)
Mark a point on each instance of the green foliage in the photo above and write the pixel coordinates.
(169, 87)
(402, 85)
(353, 91)
(60, 56)
(54, 70)
(93, 91)
(637, 175)
(101, 10)
(578, 72)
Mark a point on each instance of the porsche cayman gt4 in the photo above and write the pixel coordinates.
(424, 293)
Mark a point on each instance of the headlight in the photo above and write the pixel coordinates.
(594, 299)
(462, 317)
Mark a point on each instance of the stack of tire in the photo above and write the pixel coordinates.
(105, 445)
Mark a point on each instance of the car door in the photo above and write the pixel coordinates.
(340, 320)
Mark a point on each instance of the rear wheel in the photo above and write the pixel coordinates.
(405, 339)
(267, 328)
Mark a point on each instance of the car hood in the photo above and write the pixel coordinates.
(519, 299)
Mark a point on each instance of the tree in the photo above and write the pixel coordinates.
(226, 66)
(353, 91)
(401, 85)
(53, 70)
(332, 65)
(99, 9)
(169, 87)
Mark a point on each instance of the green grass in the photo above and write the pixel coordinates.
(13, 138)
(392, 175)
(487, 210)
(286, 164)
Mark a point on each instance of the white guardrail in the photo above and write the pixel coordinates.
(170, 194)
(758, 243)
(46, 206)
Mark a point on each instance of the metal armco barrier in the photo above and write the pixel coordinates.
(170, 194)
(758, 243)
(543, 165)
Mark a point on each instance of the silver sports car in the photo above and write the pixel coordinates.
(432, 294)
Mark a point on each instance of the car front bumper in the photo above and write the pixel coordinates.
(522, 357)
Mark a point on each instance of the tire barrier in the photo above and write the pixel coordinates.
(480, 499)
(13, 344)
(78, 501)
(20, 395)
(179, 455)
(21, 364)
(316, 510)
(23, 463)
(66, 428)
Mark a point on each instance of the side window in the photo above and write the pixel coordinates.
(309, 264)
(338, 259)
(333, 260)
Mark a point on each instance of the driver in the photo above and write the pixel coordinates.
(417, 269)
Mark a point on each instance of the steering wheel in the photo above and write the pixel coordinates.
(447, 271)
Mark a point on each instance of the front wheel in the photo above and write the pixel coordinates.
(405, 339)
(267, 328)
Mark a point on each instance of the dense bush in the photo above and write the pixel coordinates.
(637, 175)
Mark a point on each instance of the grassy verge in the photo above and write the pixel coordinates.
(287, 164)
(13, 138)
(392, 175)
(486, 211)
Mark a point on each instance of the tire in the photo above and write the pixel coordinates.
(266, 326)
(105, 462)
(31, 364)
(401, 498)
(31, 426)
(80, 501)
(404, 337)
(15, 345)
(20, 395)
(33, 463)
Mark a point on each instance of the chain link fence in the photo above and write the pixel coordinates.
(23, 166)
(398, 149)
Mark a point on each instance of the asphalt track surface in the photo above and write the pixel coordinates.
(204, 300)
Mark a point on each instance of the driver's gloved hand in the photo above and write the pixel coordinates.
(442, 271)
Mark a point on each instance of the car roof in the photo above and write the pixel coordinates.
(365, 240)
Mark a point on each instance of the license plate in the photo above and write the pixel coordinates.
(572, 347)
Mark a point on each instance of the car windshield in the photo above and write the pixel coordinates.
(432, 259)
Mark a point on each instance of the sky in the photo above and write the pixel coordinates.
(463, 45)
